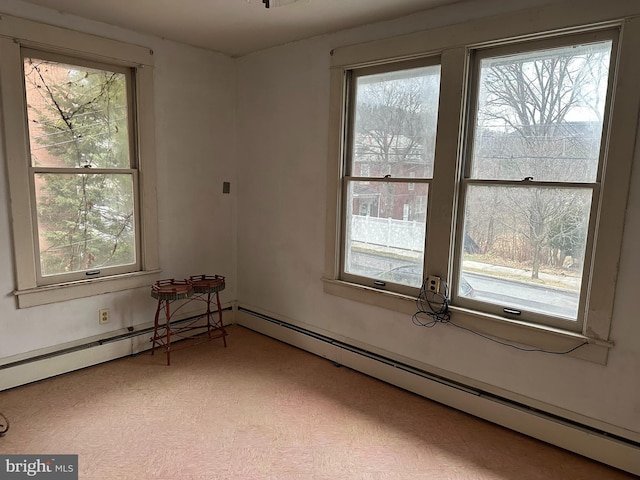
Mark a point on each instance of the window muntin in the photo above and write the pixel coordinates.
(80, 118)
(536, 158)
(389, 165)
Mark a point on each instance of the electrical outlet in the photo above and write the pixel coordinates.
(433, 284)
(103, 316)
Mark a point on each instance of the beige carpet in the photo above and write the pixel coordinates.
(260, 409)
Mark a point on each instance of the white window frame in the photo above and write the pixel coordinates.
(454, 45)
(610, 34)
(16, 33)
(389, 179)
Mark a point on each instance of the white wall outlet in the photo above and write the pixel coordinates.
(103, 316)
(433, 284)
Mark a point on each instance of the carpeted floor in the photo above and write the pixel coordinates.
(261, 409)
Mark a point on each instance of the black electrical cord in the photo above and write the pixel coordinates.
(435, 306)
(523, 349)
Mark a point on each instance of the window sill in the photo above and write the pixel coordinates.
(512, 331)
(85, 288)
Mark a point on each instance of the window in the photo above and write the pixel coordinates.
(532, 179)
(79, 122)
(80, 162)
(519, 154)
(391, 139)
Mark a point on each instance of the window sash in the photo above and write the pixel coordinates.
(532, 314)
(476, 55)
(89, 272)
(129, 76)
(352, 81)
(398, 232)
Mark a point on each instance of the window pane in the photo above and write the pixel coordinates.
(85, 221)
(395, 123)
(385, 231)
(526, 251)
(77, 115)
(540, 114)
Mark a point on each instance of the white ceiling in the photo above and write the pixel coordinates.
(237, 27)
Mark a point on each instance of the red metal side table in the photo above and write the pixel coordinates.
(203, 288)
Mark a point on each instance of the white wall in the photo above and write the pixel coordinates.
(283, 104)
(195, 146)
(282, 114)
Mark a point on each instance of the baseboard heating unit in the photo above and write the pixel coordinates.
(604, 446)
(62, 359)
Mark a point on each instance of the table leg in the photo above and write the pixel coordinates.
(155, 327)
(220, 324)
(168, 333)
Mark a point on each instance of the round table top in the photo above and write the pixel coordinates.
(207, 283)
(171, 289)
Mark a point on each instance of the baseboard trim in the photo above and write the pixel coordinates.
(46, 363)
(605, 447)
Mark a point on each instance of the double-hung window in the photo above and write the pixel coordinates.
(79, 134)
(531, 184)
(389, 166)
(83, 171)
(499, 165)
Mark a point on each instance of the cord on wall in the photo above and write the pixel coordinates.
(433, 303)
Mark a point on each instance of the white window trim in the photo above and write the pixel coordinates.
(453, 44)
(14, 33)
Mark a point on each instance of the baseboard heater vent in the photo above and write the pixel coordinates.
(550, 419)
(364, 353)
(97, 343)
